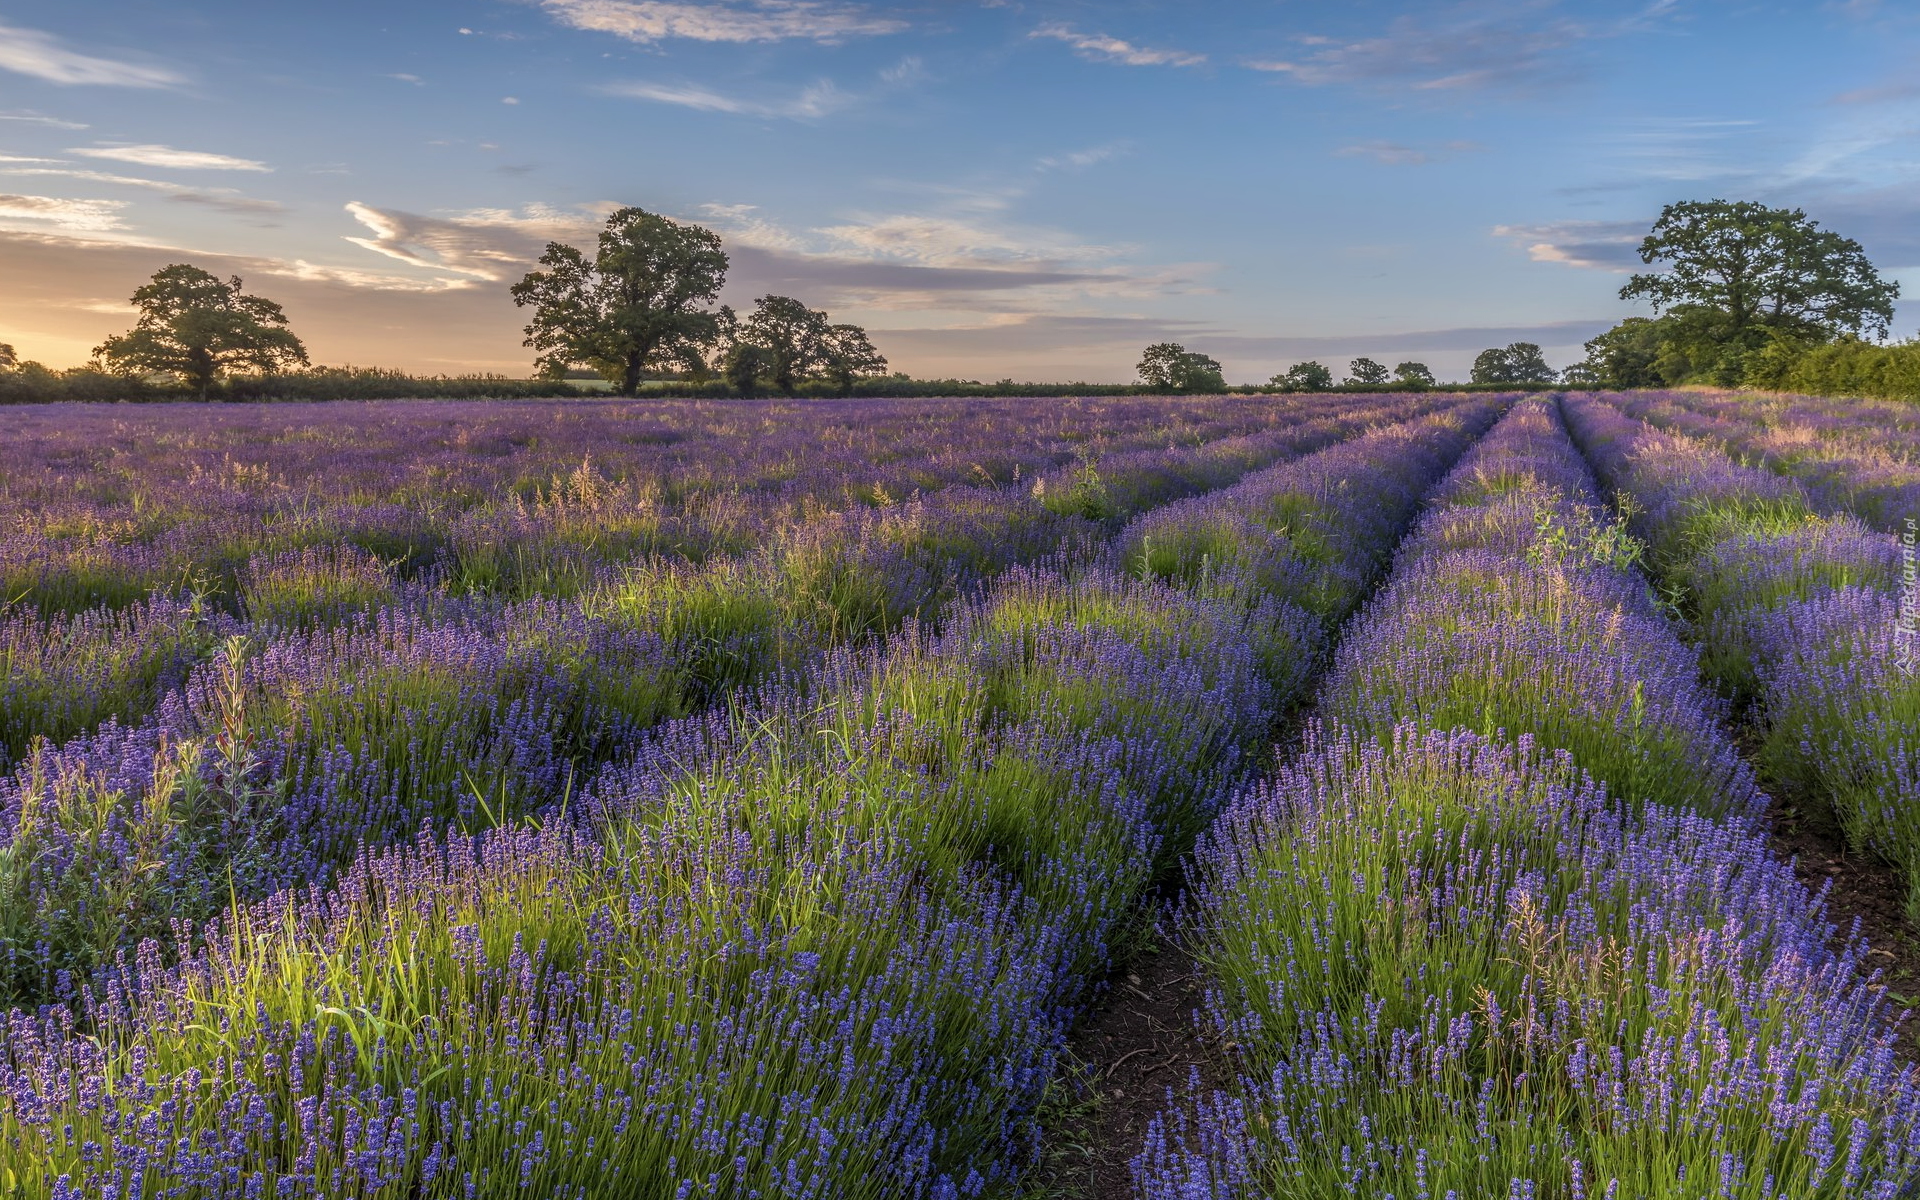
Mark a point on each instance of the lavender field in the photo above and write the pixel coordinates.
(753, 798)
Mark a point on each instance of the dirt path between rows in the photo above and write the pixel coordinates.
(1130, 1059)
(1862, 889)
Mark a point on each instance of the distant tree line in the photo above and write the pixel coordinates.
(1171, 367)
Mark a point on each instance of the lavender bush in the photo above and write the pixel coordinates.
(1798, 616)
(1450, 961)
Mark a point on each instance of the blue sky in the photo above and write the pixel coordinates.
(1016, 188)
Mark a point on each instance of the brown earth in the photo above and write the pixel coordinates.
(1130, 1059)
(1863, 889)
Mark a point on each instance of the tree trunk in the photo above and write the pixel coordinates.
(630, 382)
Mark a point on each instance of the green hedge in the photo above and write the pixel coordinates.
(1855, 368)
(34, 384)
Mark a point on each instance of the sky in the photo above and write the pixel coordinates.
(1026, 189)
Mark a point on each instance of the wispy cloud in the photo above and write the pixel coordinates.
(62, 214)
(1477, 50)
(34, 118)
(374, 281)
(80, 173)
(1079, 160)
(167, 157)
(907, 70)
(224, 200)
(1882, 93)
(1599, 245)
(41, 55)
(816, 100)
(484, 244)
(723, 21)
(1101, 47)
(907, 261)
(231, 203)
(1401, 154)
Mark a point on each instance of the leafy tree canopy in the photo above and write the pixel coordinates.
(792, 335)
(1171, 367)
(1518, 362)
(786, 342)
(744, 364)
(1414, 374)
(1303, 377)
(198, 326)
(8, 359)
(1366, 372)
(850, 356)
(1750, 265)
(638, 304)
(1748, 292)
(1630, 355)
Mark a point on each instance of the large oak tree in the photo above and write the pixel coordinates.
(639, 304)
(1754, 266)
(1171, 367)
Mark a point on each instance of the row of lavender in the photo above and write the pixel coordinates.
(1854, 456)
(834, 575)
(110, 504)
(170, 759)
(1510, 925)
(1798, 615)
(828, 947)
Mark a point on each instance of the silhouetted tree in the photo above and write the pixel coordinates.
(1171, 367)
(793, 343)
(1520, 362)
(1303, 377)
(850, 355)
(1414, 374)
(745, 365)
(792, 335)
(1366, 372)
(637, 305)
(197, 326)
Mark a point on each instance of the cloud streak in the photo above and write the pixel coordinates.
(42, 56)
(1080, 160)
(1470, 54)
(815, 101)
(34, 118)
(62, 214)
(1400, 154)
(166, 157)
(235, 205)
(1100, 47)
(649, 21)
